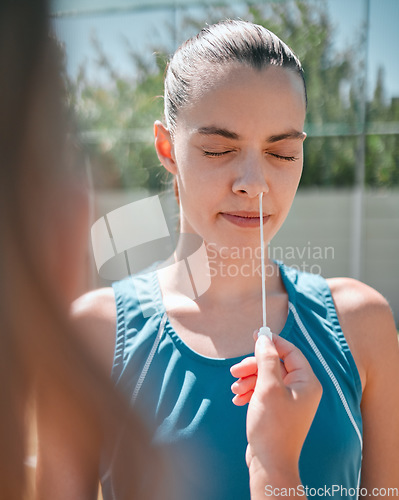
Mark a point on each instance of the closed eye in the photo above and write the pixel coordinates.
(213, 154)
(284, 158)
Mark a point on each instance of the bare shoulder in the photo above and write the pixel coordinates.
(94, 315)
(357, 302)
(94, 305)
(366, 320)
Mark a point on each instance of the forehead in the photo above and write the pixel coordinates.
(237, 96)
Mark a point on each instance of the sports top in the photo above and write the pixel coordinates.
(186, 398)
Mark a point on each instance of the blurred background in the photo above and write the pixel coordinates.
(345, 219)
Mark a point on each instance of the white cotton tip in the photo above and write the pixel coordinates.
(265, 330)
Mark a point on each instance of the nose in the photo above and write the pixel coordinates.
(251, 179)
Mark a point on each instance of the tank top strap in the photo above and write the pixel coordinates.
(138, 315)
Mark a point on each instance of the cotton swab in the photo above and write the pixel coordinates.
(264, 330)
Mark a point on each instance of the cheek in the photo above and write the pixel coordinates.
(285, 186)
(296, 178)
(198, 180)
(199, 183)
(289, 178)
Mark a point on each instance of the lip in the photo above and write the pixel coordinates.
(245, 219)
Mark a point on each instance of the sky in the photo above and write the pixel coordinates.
(143, 28)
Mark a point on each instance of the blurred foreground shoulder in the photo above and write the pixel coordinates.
(94, 315)
(68, 445)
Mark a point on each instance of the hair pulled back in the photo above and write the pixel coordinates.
(222, 43)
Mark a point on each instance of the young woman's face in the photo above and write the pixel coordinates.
(241, 134)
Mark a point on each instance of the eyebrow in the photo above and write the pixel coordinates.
(293, 134)
(218, 131)
(228, 134)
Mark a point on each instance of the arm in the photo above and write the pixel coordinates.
(283, 400)
(68, 448)
(369, 328)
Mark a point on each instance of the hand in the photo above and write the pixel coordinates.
(283, 398)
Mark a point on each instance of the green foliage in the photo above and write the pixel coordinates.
(116, 120)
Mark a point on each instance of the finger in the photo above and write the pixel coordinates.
(283, 370)
(243, 373)
(244, 385)
(242, 399)
(245, 368)
(291, 356)
(268, 361)
(298, 369)
(284, 347)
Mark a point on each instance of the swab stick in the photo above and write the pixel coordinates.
(264, 329)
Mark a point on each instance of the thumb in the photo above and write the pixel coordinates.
(268, 361)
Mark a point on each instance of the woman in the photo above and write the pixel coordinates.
(235, 104)
(43, 221)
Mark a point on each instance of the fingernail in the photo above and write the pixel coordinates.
(263, 341)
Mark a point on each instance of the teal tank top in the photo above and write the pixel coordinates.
(186, 399)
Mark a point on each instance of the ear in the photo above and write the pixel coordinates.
(164, 147)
